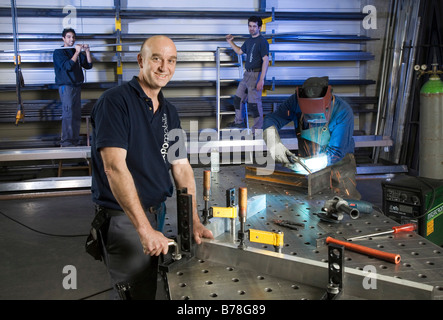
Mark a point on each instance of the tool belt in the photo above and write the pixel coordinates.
(93, 245)
(102, 215)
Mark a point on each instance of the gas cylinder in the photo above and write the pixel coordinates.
(431, 128)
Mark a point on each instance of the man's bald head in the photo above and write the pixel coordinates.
(156, 40)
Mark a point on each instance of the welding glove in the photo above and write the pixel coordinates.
(278, 151)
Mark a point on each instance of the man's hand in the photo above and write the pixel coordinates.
(154, 242)
(278, 151)
(260, 85)
(85, 47)
(200, 231)
(78, 48)
(229, 37)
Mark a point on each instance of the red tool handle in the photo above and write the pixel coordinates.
(405, 227)
(391, 257)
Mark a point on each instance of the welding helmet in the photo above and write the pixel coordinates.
(314, 98)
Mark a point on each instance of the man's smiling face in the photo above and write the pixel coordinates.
(157, 62)
(69, 39)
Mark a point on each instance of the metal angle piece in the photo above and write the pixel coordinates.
(314, 183)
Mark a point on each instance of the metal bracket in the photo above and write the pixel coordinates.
(335, 272)
(184, 222)
(230, 197)
(184, 246)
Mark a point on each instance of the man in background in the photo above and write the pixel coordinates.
(250, 88)
(68, 64)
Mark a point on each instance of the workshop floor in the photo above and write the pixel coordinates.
(42, 247)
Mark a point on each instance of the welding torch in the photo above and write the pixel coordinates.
(295, 159)
(396, 229)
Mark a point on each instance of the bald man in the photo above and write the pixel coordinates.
(131, 170)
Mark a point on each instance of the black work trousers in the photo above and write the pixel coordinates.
(125, 260)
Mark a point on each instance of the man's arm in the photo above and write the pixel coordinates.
(342, 130)
(286, 112)
(184, 178)
(61, 60)
(264, 69)
(236, 48)
(78, 49)
(124, 190)
(88, 53)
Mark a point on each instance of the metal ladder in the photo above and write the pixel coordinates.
(219, 80)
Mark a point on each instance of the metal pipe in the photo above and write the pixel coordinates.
(405, 101)
(384, 75)
(217, 61)
(18, 74)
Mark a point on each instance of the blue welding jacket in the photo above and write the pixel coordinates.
(340, 126)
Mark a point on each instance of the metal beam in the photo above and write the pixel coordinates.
(149, 14)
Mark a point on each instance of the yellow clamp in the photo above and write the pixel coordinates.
(120, 68)
(17, 59)
(224, 212)
(118, 24)
(118, 27)
(266, 237)
(265, 21)
(19, 116)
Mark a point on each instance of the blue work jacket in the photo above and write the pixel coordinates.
(340, 126)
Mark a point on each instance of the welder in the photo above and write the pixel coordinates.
(324, 125)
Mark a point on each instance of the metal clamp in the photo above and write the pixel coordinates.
(176, 255)
(267, 237)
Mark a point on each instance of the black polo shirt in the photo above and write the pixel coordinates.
(123, 117)
(255, 49)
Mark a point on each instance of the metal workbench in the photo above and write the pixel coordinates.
(219, 270)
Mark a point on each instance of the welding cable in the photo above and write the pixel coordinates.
(63, 236)
(431, 205)
(44, 233)
(96, 294)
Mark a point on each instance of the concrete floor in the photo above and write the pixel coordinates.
(49, 234)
